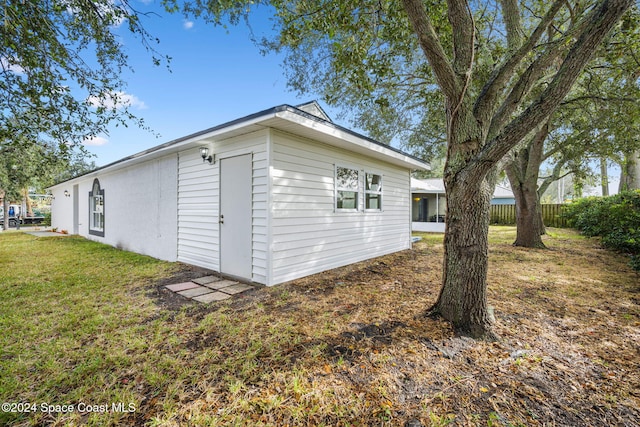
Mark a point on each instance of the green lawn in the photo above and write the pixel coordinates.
(77, 326)
(88, 326)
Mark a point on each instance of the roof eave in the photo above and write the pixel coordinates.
(342, 137)
(327, 131)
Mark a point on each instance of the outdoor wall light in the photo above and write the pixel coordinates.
(66, 193)
(204, 153)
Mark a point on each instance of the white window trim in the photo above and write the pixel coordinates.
(337, 189)
(93, 197)
(365, 191)
(97, 204)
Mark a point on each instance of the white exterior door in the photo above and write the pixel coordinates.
(235, 216)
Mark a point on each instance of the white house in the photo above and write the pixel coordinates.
(503, 196)
(267, 198)
(429, 206)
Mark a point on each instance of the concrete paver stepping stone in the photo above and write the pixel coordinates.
(236, 288)
(190, 293)
(211, 297)
(181, 286)
(209, 289)
(206, 280)
(221, 284)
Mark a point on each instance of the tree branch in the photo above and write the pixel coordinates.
(536, 152)
(501, 75)
(432, 48)
(598, 24)
(511, 18)
(555, 176)
(461, 20)
(522, 88)
(461, 17)
(551, 152)
(597, 98)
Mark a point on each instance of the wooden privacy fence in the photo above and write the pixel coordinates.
(506, 215)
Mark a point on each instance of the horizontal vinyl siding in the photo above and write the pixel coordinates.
(308, 235)
(198, 184)
(198, 204)
(259, 208)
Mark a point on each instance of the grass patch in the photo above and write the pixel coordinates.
(87, 324)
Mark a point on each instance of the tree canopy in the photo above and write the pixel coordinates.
(601, 117)
(60, 64)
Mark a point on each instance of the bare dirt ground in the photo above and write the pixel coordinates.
(359, 340)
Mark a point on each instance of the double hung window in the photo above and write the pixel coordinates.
(350, 184)
(347, 188)
(372, 191)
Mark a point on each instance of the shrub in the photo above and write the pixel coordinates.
(47, 219)
(615, 218)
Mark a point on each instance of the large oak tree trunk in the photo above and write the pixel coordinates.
(529, 224)
(604, 176)
(480, 132)
(463, 298)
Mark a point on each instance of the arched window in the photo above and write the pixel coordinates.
(96, 209)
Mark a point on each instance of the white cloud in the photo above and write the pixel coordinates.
(7, 65)
(188, 25)
(95, 141)
(117, 100)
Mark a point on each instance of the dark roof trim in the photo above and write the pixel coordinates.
(267, 112)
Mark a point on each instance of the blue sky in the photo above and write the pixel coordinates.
(217, 75)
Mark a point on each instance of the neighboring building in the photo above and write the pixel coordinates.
(271, 197)
(503, 196)
(429, 206)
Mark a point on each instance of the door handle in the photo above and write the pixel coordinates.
(221, 220)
